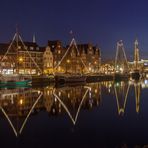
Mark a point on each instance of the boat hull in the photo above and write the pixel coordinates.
(75, 79)
(120, 77)
(16, 84)
(70, 79)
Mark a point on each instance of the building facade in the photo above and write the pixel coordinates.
(29, 58)
(22, 58)
(47, 61)
(81, 58)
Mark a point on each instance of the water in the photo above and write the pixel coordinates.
(104, 114)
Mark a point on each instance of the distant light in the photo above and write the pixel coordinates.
(68, 61)
(55, 99)
(146, 82)
(121, 69)
(59, 94)
(21, 101)
(20, 59)
(117, 84)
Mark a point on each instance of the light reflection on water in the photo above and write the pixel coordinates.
(21, 104)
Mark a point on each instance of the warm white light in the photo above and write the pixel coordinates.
(21, 101)
(68, 61)
(20, 59)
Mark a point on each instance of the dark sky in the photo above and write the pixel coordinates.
(101, 22)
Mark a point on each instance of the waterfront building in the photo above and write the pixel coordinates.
(91, 56)
(29, 58)
(57, 49)
(24, 58)
(81, 58)
(48, 61)
(107, 67)
(71, 63)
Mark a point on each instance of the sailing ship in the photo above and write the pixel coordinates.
(13, 78)
(70, 78)
(73, 66)
(121, 64)
(136, 72)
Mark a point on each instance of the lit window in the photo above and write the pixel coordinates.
(20, 59)
(59, 51)
(68, 61)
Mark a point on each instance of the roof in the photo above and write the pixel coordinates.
(3, 47)
(30, 47)
(85, 47)
(55, 44)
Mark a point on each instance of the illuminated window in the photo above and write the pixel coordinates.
(68, 61)
(59, 51)
(33, 71)
(20, 59)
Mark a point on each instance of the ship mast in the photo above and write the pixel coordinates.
(17, 52)
(136, 54)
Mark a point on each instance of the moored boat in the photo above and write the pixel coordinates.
(75, 78)
(70, 78)
(15, 80)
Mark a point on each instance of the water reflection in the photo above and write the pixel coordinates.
(137, 88)
(72, 99)
(73, 95)
(17, 105)
(121, 93)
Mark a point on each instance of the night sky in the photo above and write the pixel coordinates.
(101, 22)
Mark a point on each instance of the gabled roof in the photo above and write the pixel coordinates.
(55, 44)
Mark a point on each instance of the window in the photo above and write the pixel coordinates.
(59, 51)
(31, 48)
